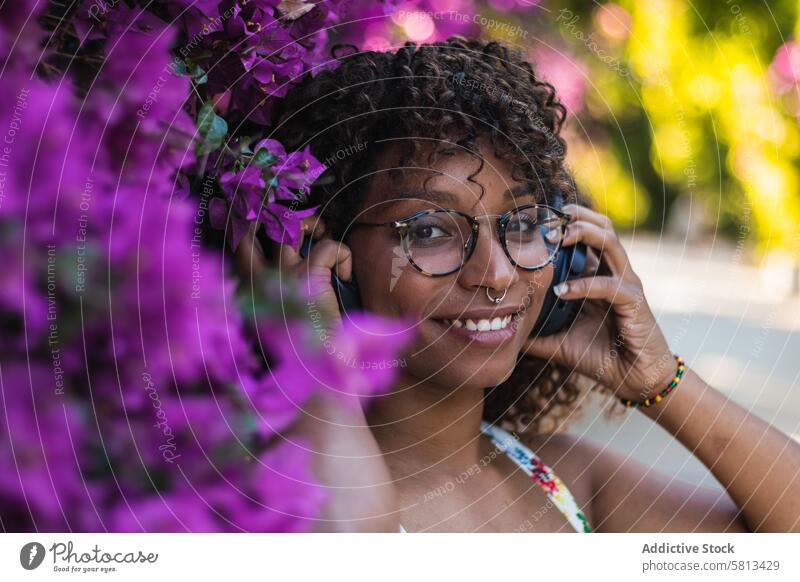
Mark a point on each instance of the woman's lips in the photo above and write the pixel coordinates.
(482, 337)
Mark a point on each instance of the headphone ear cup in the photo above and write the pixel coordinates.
(558, 313)
(560, 272)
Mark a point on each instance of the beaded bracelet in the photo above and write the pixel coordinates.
(663, 394)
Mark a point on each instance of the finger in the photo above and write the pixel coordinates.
(249, 254)
(314, 226)
(331, 255)
(604, 241)
(592, 263)
(288, 257)
(611, 289)
(578, 212)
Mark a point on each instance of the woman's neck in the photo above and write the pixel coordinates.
(421, 426)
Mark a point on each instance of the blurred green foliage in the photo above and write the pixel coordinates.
(678, 111)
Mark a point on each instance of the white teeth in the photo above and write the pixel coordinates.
(482, 324)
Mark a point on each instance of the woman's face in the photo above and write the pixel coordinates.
(445, 353)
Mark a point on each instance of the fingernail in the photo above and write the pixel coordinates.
(561, 288)
(552, 235)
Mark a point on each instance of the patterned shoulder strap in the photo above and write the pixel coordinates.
(541, 474)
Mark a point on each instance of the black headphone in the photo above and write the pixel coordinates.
(557, 314)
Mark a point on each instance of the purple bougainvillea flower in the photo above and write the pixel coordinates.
(47, 171)
(280, 394)
(223, 218)
(184, 325)
(41, 437)
(249, 19)
(20, 34)
(275, 492)
(282, 223)
(273, 76)
(298, 170)
(248, 201)
(274, 201)
(131, 394)
(50, 158)
(95, 20)
(247, 189)
(359, 359)
(284, 483)
(137, 106)
(166, 513)
(247, 194)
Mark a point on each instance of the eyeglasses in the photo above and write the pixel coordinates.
(439, 242)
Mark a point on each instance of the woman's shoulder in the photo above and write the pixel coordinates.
(560, 448)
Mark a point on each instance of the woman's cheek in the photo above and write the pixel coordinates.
(383, 290)
(536, 286)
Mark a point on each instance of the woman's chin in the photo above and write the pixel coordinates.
(483, 378)
(467, 373)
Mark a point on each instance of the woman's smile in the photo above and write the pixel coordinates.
(482, 328)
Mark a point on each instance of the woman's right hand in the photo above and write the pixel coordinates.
(346, 458)
(313, 273)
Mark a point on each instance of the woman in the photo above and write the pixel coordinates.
(444, 160)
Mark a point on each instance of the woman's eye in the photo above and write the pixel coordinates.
(521, 225)
(427, 232)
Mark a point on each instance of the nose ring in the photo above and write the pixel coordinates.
(496, 300)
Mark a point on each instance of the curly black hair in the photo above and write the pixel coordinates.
(455, 91)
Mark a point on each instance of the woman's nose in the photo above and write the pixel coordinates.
(489, 265)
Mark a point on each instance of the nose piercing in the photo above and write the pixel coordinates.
(496, 300)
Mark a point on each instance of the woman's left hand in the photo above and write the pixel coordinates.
(615, 339)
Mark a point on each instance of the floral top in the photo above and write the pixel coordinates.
(540, 473)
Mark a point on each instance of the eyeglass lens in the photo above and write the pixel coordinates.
(439, 243)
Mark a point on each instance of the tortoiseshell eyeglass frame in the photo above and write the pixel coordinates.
(403, 225)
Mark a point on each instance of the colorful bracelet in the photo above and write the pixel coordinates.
(663, 394)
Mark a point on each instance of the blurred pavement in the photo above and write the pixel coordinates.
(736, 323)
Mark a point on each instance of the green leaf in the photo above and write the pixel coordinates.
(179, 67)
(212, 128)
(263, 158)
(199, 75)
